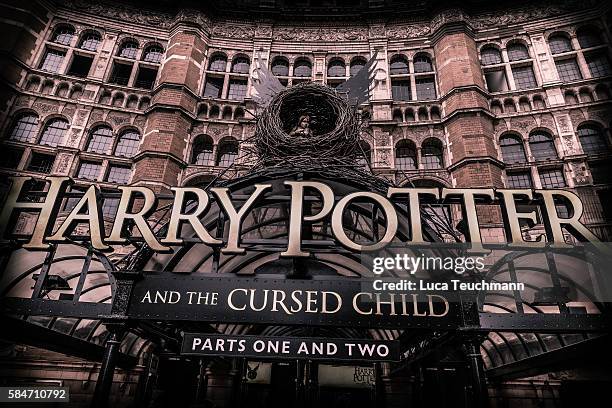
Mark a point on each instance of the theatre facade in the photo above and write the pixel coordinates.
(214, 205)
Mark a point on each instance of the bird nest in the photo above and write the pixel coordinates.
(334, 128)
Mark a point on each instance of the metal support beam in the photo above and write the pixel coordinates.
(107, 369)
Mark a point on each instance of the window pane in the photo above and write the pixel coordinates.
(54, 132)
(568, 70)
(356, 66)
(422, 64)
(217, 63)
(52, 61)
(559, 44)
(592, 140)
(431, 155)
(110, 205)
(24, 129)
(121, 74)
(280, 67)
(524, 77)
(12, 157)
(400, 90)
(213, 87)
(202, 152)
(398, 66)
(490, 56)
(41, 163)
(100, 141)
(542, 146)
(512, 150)
(496, 80)
(588, 38)
(129, 49)
(336, 68)
(552, 178)
(228, 151)
(599, 65)
(426, 89)
(237, 89)
(63, 35)
(128, 144)
(89, 170)
(517, 52)
(145, 78)
(405, 156)
(90, 42)
(118, 174)
(519, 180)
(153, 54)
(241, 65)
(302, 68)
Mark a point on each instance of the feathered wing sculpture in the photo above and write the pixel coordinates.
(265, 84)
(358, 87)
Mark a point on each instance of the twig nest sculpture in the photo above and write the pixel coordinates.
(308, 122)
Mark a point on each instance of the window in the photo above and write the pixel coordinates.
(53, 132)
(237, 89)
(399, 65)
(202, 151)
(601, 172)
(52, 61)
(588, 37)
(63, 35)
(490, 55)
(280, 67)
(524, 77)
(100, 140)
(80, 65)
(241, 65)
(542, 146)
(552, 178)
(24, 128)
(218, 62)
(400, 89)
(127, 146)
(422, 63)
(496, 80)
(356, 65)
(41, 163)
(73, 201)
(517, 52)
(599, 65)
(118, 174)
(120, 74)
(425, 89)
(512, 149)
(568, 69)
(145, 78)
(559, 43)
(89, 170)
(336, 68)
(90, 42)
(153, 54)
(431, 154)
(302, 68)
(213, 87)
(12, 158)
(592, 139)
(405, 155)
(228, 151)
(110, 205)
(128, 49)
(519, 180)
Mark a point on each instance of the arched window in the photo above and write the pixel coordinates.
(218, 62)
(542, 146)
(128, 49)
(153, 53)
(53, 132)
(24, 128)
(356, 65)
(90, 41)
(100, 140)
(398, 65)
(336, 68)
(405, 155)
(364, 157)
(512, 149)
(397, 115)
(280, 66)
(241, 65)
(588, 37)
(422, 63)
(592, 139)
(517, 52)
(490, 55)
(202, 154)
(128, 143)
(570, 98)
(431, 154)
(302, 68)
(559, 43)
(228, 151)
(63, 35)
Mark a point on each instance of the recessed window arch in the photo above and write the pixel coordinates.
(63, 34)
(356, 65)
(542, 145)
(153, 53)
(24, 127)
(588, 37)
(517, 51)
(100, 140)
(592, 139)
(90, 41)
(280, 66)
(512, 149)
(54, 131)
(241, 65)
(405, 155)
(398, 65)
(336, 68)
(559, 43)
(570, 98)
(397, 115)
(218, 62)
(422, 63)
(128, 143)
(202, 152)
(227, 152)
(302, 68)
(432, 154)
(490, 55)
(128, 49)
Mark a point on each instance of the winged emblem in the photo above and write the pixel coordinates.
(265, 84)
(358, 87)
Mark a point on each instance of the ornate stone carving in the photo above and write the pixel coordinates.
(118, 119)
(45, 107)
(69, 110)
(399, 32)
(320, 34)
(377, 31)
(80, 117)
(263, 31)
(73, 137)
(233, 31)
(22, 101)
(97, 115)
(120, 12)
(62, 163)
(195, 17)
(580, 174)
(447, 16)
